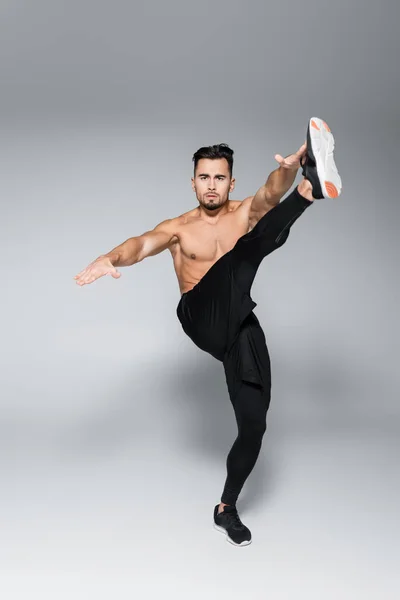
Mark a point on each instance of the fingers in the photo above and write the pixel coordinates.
(82, 281)
(86, 280)
(302, 149)
(79, 277)
(88, 276)
(300, 152)
(83, 277)
(82, 273)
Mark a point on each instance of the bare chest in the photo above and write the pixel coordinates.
(203, 241)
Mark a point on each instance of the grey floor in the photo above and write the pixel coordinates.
(118, 501)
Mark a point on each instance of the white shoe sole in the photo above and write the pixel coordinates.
(322, 146)
(222, 530)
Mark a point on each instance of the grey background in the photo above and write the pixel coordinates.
(114, 427)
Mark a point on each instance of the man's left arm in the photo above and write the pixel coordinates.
(277, 184)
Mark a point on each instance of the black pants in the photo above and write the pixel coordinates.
(217, 314)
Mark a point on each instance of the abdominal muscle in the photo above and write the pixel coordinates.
(199, 244)
(188, 276)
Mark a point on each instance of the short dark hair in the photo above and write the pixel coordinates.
(216, 151)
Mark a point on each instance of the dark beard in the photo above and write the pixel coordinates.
(213, 206)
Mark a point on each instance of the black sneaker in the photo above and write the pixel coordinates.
(228, 522)
(319, 165)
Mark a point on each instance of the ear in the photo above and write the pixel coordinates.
(232, 185)
(193, 187)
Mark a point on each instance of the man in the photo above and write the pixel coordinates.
(217, 248)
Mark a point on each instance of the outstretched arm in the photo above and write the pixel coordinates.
(130, 252)
(278, 183)
(135, 249)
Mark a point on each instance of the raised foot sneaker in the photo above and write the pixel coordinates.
(228, 522)
(319, 165)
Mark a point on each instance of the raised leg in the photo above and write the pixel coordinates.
(270, 233)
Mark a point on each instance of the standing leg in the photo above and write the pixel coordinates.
(250, 402)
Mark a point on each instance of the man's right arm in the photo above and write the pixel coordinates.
(129, 253)
(135, 249)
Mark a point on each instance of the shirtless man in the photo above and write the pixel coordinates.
(217, 248)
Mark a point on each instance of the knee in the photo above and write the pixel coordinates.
(253, 429)
(282, 237)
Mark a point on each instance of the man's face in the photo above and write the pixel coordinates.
(212, 182)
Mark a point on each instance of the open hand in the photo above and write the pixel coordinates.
(293, 160)
(99, 267)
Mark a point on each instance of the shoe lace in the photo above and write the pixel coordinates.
(235, 520)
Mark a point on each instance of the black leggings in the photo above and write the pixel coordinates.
(217, 314)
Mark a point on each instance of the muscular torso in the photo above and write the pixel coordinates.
(200, 241)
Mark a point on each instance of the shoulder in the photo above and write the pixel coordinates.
(185, 218)
(173, 226)
(243, 205)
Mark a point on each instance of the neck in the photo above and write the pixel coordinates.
(221, 210)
